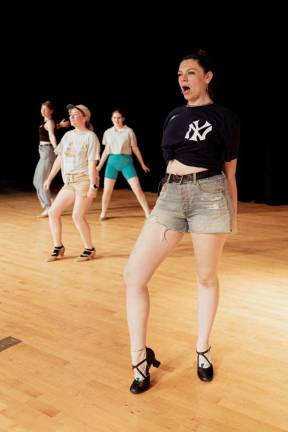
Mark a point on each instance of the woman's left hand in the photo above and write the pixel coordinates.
(145, 168)
(46, 185)
(92, 193)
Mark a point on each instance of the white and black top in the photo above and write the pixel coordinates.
(202, 136)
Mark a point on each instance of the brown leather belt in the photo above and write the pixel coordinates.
(176, 178)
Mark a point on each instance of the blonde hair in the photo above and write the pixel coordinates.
(85, 111)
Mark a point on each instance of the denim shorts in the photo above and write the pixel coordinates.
(120, 163)
(203, 206)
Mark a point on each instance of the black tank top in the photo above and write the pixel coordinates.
(43, 133)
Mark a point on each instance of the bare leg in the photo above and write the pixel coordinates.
(106, 196)
(207, 250)
(150, 250)
(136, 188)
(81, 206)
(63, 201)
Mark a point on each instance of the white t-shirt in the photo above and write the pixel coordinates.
(119, 141)
(76, 148)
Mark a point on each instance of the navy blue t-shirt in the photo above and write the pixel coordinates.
(202, 136)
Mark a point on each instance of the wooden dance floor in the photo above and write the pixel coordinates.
(64, 349)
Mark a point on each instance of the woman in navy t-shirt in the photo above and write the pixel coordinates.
(199, 196)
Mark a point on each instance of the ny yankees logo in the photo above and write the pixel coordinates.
(197, 136)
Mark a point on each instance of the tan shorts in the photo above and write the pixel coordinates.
(79, 184)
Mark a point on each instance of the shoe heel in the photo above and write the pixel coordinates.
(151, 358)
(62, 252)
(156, 363)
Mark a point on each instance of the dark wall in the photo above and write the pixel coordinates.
(135, 70)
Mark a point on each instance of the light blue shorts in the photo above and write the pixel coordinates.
(203, 206)
(120, 163)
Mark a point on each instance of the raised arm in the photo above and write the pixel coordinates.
(63, 124)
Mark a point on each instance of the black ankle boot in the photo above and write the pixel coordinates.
(139, 385)
(205, 374)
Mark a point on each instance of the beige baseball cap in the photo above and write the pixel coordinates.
(82, 108)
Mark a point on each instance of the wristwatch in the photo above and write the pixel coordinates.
(93, 186)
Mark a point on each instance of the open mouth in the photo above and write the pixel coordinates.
(185, 90)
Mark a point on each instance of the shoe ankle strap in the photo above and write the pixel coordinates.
(203, 355)
(203, 352)
(138, 370)
(87, 252)
(141, 349)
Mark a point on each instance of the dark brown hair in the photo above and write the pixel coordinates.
(49, 105)
(206, 61)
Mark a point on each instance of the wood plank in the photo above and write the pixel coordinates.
(71, 372)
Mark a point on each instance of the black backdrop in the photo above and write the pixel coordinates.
(134, 67)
